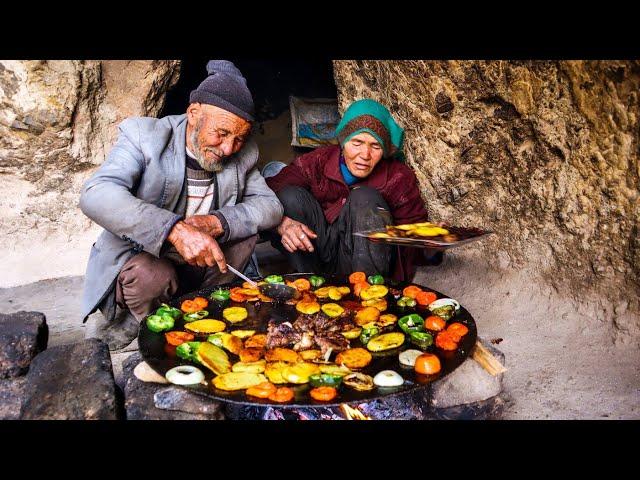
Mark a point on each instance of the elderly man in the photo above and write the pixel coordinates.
(178, 197)
(335, 191)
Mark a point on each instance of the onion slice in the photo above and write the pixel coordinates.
(185, 375)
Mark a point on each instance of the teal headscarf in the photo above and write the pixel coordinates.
(371, 117)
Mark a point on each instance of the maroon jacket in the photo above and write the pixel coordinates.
(319, 172)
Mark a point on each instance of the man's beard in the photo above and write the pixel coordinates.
(213, 166)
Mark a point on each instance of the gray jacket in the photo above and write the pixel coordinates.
(137, 193)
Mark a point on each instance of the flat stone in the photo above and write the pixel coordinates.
(173, 398)
(140, 399)
(72, 382)
(467, 384)
(490, 409)
(11, 396)
(22, 336)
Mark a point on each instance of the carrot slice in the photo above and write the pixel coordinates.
(323, 394)
(357, 277)
(425, 298)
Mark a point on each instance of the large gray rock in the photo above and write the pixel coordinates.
(156, 401)
(72, 382)
(11, 396)
(467, 384)
(22, 336)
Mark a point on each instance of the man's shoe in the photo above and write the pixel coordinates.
(117, 334)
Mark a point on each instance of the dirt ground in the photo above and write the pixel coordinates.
(562, 361)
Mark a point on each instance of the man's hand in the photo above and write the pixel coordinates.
(196, 247)
(209, 224)
(295, 235)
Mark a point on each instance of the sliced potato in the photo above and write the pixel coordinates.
(281, 355)
(354, 358)
(206, 326)
(256, 341)
(235, 314)
(334, 293)
(310, 354)
(386, 341)
(322, 292)
(273, 371)
(251, 354)
(367, 315)
(238, 380)
(335, 370)
(214, 358)
(227, 341)
(353, 333)
(251, 367)
(299, 372)
(344, 290)
(243, 333)
(386, 320)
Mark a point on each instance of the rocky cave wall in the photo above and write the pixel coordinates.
(544, 153)
(58, 120)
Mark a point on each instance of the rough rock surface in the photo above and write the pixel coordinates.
(58, 120)
(11, 395)
(22, 336)
(155, 401)
(544, 153)
(71, 382)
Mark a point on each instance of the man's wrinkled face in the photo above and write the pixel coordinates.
(213, 134)
(362, 152)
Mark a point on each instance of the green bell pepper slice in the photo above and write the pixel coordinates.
(446, 311)
(316, 281)
(220, 295)
(368, 333)
(165, 309)
(199, 315)
(325, 380)
(160, 323)
(411, 323)
(274, 279)
(376, 279)
(421, 339)
(188, 351)
(406, 302)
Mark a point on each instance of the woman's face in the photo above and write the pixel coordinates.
(362, 152)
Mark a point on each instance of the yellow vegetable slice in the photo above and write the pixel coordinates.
(353, 333)
(335, 370)
(243, 333)
(238, 380)
(429, 231)
(332, 309)
(235, 314)
(334, 293)
(273, 371)
(386, 320)
(308, 308)
(214, 358)
(206, 326)
(374, 291)
(344, 290)
(310, 354)
(379, 303)
(322, 292)
(386, 341)
(251, 367)
(299, 372)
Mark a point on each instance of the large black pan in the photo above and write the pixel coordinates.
(152, 348)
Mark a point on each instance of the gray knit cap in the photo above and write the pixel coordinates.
(225, 87)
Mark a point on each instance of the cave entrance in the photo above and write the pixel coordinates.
(271, 83)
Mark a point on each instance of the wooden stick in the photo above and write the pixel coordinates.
(486, 360)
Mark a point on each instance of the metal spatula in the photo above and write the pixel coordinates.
(276, 291)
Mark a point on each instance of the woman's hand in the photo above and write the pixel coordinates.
(295, 235)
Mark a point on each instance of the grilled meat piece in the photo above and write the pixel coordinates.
(306, 342)
(281, 335)
(304, 323)
(336, 341)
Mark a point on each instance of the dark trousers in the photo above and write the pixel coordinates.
(337, 250)
(146, 281)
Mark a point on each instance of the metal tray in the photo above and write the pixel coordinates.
(152, 349)
(467, 235)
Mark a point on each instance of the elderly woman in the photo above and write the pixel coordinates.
(332, 192)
